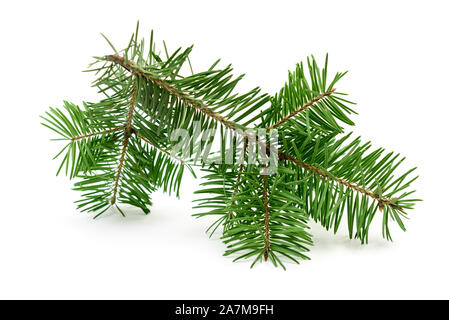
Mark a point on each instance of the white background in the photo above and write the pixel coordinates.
(397, 54)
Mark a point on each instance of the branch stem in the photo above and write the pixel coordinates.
(382, 200)
(136, 70)
(128, 131)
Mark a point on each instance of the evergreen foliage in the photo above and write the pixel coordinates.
(124, 147)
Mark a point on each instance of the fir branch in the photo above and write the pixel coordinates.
(245, 148)
(159, 148)
(138, 71)
(121, 150)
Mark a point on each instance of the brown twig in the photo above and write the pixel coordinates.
(134, 69)
(301, 109)
(96, 133)
(239, 176)
(381, 200)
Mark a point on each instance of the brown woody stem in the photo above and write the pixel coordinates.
(301, 109)
(382, 201)
(96, 133)
(266, 216)
(239, 175)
